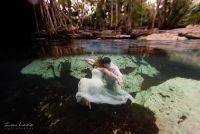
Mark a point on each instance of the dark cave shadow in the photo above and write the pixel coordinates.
(66, 79)
(105, 119)
(88, 73)
(127, 70)
(21, 95)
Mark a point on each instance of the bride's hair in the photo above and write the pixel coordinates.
(98, 62)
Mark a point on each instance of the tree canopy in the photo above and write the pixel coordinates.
(54, 15)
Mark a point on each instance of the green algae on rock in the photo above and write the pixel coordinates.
(132, 67)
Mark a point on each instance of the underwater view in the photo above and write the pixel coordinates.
(100, 67)
(163, 77)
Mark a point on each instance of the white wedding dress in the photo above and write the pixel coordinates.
(95, 90)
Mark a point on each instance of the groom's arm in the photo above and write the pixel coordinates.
(112, 75)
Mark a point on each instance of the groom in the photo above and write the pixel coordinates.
(106, 61)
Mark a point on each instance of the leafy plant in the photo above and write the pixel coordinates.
(193, 17)
(172, 12)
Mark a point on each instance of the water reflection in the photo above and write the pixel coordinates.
(79, 47)
(182, 51)
(58, 51)
(146, 51)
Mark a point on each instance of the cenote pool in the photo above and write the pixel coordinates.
(162, 76)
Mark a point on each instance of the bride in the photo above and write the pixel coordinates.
(95, 90)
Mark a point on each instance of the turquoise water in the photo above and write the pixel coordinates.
(41, 91)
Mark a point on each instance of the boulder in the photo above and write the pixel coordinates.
(140, 32)
(162, 36)
(190, 35)
(175, 104)
(189, 32)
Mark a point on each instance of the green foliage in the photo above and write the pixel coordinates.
(88, 21)
(193, 17)
(100, 14)
(172, 12)
(66, 4)
(128, 14)
(140, 13)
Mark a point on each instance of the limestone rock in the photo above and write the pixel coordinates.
(162, 36)
(175, 104)
(189, 32)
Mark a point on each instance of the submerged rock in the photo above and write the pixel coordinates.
(134, 68)
(175, 104)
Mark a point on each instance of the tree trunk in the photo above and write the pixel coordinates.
(141, 18)
(52, 16)
(156, 12)
(47, 18)
(154, 17)
(112, 13)
(52, 11)
(130, 15)
(36, 19)
(116, 23)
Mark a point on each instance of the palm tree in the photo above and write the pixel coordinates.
(172, 12)
(66, 6)
(80, 8)
(193, 17)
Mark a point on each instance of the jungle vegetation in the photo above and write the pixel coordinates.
(52, 16)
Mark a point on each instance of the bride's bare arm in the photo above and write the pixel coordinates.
(112, 75)
(89, 61)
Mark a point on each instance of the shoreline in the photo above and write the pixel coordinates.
(187, 33)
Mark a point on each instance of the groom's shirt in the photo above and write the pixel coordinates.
(114, 69)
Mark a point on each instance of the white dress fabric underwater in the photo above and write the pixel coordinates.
(96, 90)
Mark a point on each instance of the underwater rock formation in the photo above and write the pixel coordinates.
(175, 104)
(133, 68)
(173, 99)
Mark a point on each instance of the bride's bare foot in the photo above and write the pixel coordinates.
(129, 102)
(89, 104)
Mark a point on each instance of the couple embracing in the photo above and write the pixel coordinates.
(104, 86)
